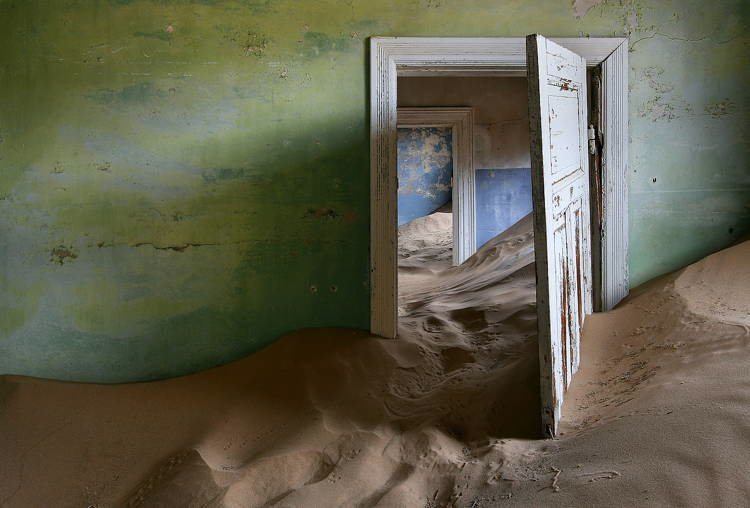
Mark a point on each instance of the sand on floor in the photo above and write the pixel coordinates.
(658, 415)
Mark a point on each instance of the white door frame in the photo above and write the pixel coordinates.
(461, 123)
(394, 56)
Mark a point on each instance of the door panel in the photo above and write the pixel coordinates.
(565, 147)
(560, 186)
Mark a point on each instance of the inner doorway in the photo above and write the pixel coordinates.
(475, 313)
(464, 174)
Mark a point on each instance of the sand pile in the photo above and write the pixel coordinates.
(658, 415)
(425, 245)
(478, 319)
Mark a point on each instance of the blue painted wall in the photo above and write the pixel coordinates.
(503, 198)
(425, 168)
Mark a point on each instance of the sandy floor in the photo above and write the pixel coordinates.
(659, 413)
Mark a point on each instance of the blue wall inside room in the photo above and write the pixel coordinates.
(503, 198)
(425, 168)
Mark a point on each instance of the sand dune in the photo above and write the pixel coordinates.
(658, 415)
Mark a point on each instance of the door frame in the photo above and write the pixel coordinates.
(391, 57)
(463, 207)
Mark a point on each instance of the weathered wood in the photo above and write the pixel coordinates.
(383, 191)
(560, 189)
(461, 123)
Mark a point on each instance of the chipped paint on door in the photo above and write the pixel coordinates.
(560, 187)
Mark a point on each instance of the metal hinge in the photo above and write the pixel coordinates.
(592, 139)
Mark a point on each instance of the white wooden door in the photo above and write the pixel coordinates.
(560, 188)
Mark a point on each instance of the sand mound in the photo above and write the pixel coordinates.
(478, 322)
(425, 245)
(658, 415)
(709, 289)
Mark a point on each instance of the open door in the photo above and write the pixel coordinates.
(560, 188)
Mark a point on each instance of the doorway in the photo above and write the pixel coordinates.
(464, 178)
(476, 313)
(393, 57)
(435, 168)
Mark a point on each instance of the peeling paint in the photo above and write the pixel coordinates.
(425, 170)
(176, 248)
(582, 7)
(250, 42)
(61, 253)
(653, 76)
(721, 108)
(659, 108)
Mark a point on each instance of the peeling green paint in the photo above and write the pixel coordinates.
(205, 163)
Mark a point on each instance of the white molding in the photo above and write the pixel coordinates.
(615, 279)
(388, 57)
(461, 123)
(594, 50)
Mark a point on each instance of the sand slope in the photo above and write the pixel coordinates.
(658, 415)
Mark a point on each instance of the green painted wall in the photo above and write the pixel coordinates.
(183, 181)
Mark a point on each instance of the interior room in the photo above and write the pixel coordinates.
(500, 141)
(421, 254)
(487, 299)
